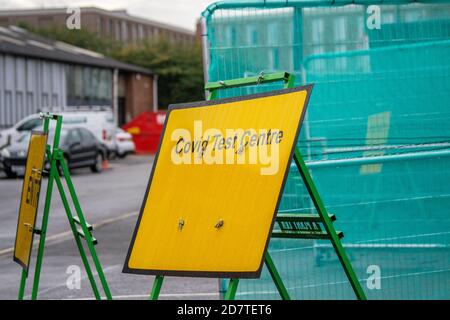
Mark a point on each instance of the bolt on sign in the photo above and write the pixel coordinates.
(216, 185)
(30, 198)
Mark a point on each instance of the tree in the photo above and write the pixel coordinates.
(78, 37)
(179, 68)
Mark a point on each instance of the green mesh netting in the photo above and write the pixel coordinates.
(376, 136)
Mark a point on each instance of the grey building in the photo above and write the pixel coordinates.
(41, 74)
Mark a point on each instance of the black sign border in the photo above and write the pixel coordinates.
(218, 274)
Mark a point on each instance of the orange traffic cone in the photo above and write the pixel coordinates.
(105, 164)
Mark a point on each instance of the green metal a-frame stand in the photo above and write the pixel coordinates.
(57, 165)
(287, 222)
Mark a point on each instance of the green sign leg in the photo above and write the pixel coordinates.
(232, 289)
(289, 83)
(23, 281)
(212, 88)
(157, 284)
(86, 232)
(328, 225)
(77, 238)
(276, 277)
(40, 254)
(55, 157)
(48, 199)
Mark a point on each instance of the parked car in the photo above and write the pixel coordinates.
(124, 143)
(100, 123)
(81, 149)
(8, 136)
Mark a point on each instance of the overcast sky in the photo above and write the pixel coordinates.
(182, 13)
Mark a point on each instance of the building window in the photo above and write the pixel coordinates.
(105, 87)
(100, 26)
(140, 32)
(78, 82)
(45, 22)
(70, 83)
(87, 86)
(118, 31)
(124, 35)
(133, 29)
(95, 84)
(111, 27)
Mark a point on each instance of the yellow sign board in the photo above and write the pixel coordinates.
(216, 185)
(30, 198)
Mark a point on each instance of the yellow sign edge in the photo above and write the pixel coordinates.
(15, 259)
(209, 103)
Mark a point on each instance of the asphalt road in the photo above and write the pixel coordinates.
(112, 193)
(110, 201)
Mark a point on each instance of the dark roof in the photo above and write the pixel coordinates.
(18, 41)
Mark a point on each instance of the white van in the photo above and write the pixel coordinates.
(100, 123)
